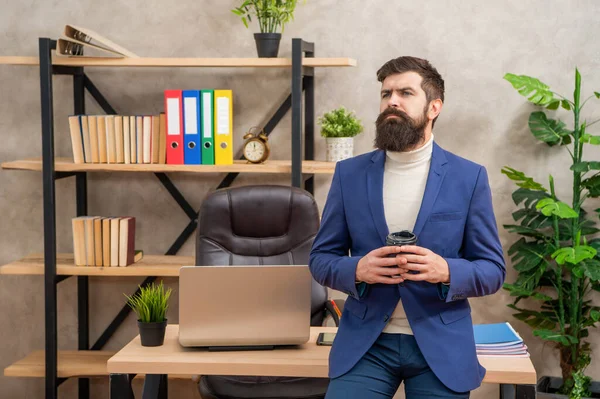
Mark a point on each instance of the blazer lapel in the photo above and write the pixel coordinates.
(437, 172)
(375, 193)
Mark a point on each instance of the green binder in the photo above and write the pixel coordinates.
(208, 126)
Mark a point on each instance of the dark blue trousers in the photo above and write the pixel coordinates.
(393, 359)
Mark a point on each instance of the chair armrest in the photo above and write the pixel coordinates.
(335, 307)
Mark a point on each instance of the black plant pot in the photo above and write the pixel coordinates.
(267, 44)
(547, 387)
(152, 334)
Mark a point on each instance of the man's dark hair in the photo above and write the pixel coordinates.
(432, 85)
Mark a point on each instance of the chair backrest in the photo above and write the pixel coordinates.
(260, 225)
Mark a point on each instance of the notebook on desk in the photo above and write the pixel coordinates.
(244, 307)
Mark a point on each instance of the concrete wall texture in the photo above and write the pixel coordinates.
(472, 43)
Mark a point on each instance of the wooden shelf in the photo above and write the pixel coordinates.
(70, 364)
(150, 265)
(181, 62)
(67, 165)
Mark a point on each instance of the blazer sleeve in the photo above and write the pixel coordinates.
(481, 270)
(329, 262)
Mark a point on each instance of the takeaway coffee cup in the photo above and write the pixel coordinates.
(404, 237)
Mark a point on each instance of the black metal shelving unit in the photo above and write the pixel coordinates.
(302, 80)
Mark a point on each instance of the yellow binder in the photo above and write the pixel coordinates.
(223, 133)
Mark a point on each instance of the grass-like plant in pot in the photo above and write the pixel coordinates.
(271, 16)
(150, 305)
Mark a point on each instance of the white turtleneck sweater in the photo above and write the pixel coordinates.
(404, 180)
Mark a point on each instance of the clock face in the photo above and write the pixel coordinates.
(254, 150)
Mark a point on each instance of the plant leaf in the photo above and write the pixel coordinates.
(534, 319)
(522, 180)
(525, 231)
(553, 105)
(531, 88)
(550, 207)
(550, 335)
(566, 105)
(573, 255)
(597, 94)
(529, 196)
(549, 131)
(588, 138)
(591, 268)
(528, 255)
(585, 166)
(592, 184)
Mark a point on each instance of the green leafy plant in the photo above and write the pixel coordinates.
(271, 14)
(558, 266)
(151, 303)
(340, 123)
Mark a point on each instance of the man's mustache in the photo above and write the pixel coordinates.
(392, 111)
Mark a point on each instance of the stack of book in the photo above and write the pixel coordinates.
(498, 340)
(118, 138)
(104, 241)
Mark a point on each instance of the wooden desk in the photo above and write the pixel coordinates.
(516, 376)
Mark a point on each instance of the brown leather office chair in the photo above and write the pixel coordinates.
(261, 225)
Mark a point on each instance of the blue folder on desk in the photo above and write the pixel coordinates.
(497, 334)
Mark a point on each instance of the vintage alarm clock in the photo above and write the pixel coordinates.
(256, 148)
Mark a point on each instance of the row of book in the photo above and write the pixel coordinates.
(118, 138)
(104, 241)
(498, 340)
(199, 127)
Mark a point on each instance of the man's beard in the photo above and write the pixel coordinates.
(399, 134)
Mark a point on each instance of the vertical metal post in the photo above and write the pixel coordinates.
(297, 112)
(45, 56)
(83, 340)
(309, 121)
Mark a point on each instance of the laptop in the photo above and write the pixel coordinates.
(244, 307)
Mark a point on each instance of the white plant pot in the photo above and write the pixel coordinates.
(339, 148)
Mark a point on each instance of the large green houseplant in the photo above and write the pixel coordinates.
(271, 16)
(558, 264)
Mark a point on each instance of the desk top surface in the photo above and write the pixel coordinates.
(308, 360)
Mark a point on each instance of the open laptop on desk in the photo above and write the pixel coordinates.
(244, 307)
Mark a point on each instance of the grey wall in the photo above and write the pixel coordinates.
(472, 43)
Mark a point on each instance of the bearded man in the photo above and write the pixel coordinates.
(407, 318)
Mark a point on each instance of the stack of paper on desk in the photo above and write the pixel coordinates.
(498, 340)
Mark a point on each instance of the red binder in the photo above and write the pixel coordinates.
(174, 122)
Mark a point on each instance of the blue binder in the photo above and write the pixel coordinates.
(192, 131)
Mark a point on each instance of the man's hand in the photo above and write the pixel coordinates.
(431, 267)
(377, 267)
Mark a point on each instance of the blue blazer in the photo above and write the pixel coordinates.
(456, 221)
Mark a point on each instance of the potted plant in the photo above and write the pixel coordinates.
(339, 128)
(558, 265)
(151, 305)
(271, 15)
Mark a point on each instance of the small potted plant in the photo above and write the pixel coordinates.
(271, 15)
(151, 305)
(339, 128)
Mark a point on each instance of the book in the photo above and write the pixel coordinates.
(498, 340)
(494, 335)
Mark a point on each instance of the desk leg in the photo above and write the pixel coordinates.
(509, 391)
(155, 387)
(120, 386)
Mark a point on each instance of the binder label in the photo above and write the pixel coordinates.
(223, 115)
(189, 112)
(173, 112)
